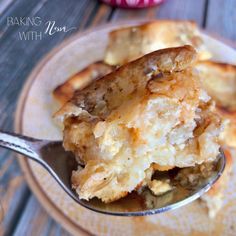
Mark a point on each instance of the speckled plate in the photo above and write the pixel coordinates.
(34, 118)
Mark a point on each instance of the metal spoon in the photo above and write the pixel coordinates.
(52, 156)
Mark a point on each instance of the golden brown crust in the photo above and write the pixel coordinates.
(65, 91)
(165, 60)
(127, 44)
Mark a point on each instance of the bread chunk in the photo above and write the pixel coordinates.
(64, 92)
(150, 111)
(130, 43)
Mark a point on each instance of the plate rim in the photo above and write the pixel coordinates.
(56, 213)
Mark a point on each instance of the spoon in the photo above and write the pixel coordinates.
(59, 163)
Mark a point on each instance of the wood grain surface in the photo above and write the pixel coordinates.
(22, 214)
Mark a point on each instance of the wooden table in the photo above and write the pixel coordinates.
(22, 214)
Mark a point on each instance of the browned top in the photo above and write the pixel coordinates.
(127, 79)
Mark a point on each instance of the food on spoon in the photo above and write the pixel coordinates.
(218, 80)
(129, 43)
(150, 111)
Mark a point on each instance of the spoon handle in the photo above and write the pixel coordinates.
(19, 143)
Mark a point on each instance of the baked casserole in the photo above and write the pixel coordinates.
(150, 114)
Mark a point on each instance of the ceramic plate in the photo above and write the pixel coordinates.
(34, 118)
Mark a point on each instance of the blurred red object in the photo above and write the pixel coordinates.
(133, 3)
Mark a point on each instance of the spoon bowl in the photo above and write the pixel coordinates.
(60, 164)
